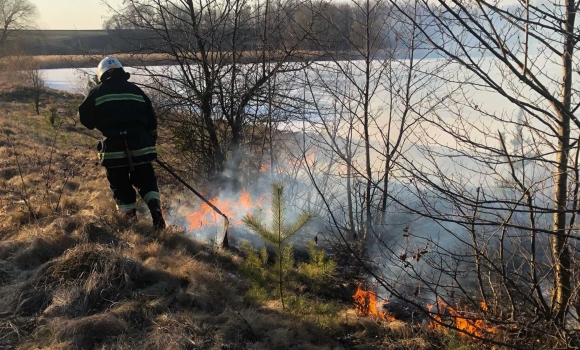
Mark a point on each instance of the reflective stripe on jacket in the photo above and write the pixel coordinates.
(118, 155)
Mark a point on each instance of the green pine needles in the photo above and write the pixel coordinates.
(301, 288)
(278, 236)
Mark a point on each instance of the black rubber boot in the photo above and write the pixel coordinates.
(156, 214)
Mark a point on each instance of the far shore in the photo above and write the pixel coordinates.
(91, 61)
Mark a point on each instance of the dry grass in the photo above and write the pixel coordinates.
(91, 61)
(81, 277)
(84, 332)
(137, 59)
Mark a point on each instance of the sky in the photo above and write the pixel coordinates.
(72, 14)
(86, 14)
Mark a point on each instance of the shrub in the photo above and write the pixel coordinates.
(278, 236)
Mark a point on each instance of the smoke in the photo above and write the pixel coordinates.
(204, 224)
(422, 248)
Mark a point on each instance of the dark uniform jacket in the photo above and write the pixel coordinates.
(124, 114)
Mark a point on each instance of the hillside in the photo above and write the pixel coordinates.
(75, 275)
(65, 42)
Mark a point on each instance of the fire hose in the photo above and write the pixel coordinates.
(224, 242)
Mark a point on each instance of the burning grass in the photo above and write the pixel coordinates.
(235, 208)
(465, 321)
(366, 305)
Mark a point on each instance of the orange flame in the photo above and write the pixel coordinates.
(483, 306)
(470, 325)
(234, 209)
(436, 324)
(366, 305)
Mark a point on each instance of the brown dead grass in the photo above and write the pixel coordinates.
(83, 278)
(5, 272)
(91, 61)
(85, 332)
(41, 250)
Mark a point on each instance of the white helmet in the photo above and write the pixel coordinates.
(106, 64)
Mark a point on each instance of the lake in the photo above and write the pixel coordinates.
(71, 80)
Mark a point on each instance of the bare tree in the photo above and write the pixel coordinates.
(36, 82)
(497, 174)
(15, 15)
(226, 56)
(479, 161)
(352, 101)
(376, 95)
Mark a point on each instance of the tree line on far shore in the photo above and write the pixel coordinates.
(342, 28)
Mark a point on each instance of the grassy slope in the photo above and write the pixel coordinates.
(81, 277)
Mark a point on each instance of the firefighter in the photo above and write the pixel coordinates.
(124, 115)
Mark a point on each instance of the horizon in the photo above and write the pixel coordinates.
(72, 14)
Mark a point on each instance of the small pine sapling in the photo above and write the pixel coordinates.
(278, 236)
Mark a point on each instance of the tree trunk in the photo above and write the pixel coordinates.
(352, 226)
(368, 216)
(3, 38)
(560, 249)
(213, 139)
(237, 155)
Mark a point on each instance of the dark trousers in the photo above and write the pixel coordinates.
(122, 181)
